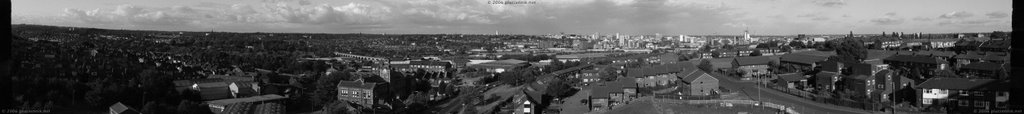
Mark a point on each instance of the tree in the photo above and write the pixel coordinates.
(1000, 34)
(756, 53)
(561, 88)
(797, 44)
(851, 51)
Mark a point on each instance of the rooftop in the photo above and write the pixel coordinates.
(801, 58)
(357, 84)
(954, 83)
(792, 77)
(983, 66)
(915, 59)
(655, 70)
(224, 102)
(752, 60)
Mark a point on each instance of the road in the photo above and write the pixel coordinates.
(804, 106)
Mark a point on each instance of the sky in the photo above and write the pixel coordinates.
(690, 17)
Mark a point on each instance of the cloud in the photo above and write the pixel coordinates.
(922, 19)
(890, 14)
(820, 18)
(959, 14)
(830, 3)
(259, 15)
(887, 21)
(814, 16)
(981, 22)
(997, 15)
(418, 16)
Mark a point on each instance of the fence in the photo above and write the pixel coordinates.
(788, 110)
(829, 100)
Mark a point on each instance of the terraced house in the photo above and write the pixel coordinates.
(657, 75)
(751, 66)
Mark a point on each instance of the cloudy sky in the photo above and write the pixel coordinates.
(543, 17)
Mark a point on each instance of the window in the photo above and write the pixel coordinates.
(964, 103)
(927, 90)
(978, 93)
(980, 104)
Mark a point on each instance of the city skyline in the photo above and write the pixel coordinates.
(727, 17)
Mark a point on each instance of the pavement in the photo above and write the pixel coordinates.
(801, 105)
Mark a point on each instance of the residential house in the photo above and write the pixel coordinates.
(875, 85)
(600, 98)
(744, 52)
(792, 80)
(704, 55)
(527, 101)
(213, 90)
(717, 64)
(359, 92)
(727, 53)
(589, 76)
(580, 57)
(801, 62)
(613, 94)
(942, 43)
(698, 82)
(627, 91)
(826, 80)
(245, 105)
(963, 94)
(968, 58)
(500, 66)
(119, 108)
(995, 45)
(244, 89)
(924, 63)
(435, 66)
(667, 58)
(996, 57)
(988, 70)
(752, 66)
(657, 75)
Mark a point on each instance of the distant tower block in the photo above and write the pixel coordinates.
(746, 35)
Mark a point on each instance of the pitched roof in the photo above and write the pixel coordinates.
(214, 92)
(584, 55)
(879, 54)
(424, 62)
(801, 58)
(983, 66)
(969, 55)
(506, 61)
(693, 74)
(267, 97)
(817, 53)
(752, 60)
(718, 63)
(357, 84)
(954, 83)
(859, 77)
(655, 70)
(915, 59)
(996, 57)
(121, 108)
(936, 53)
(792, 77)
(602, 91)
